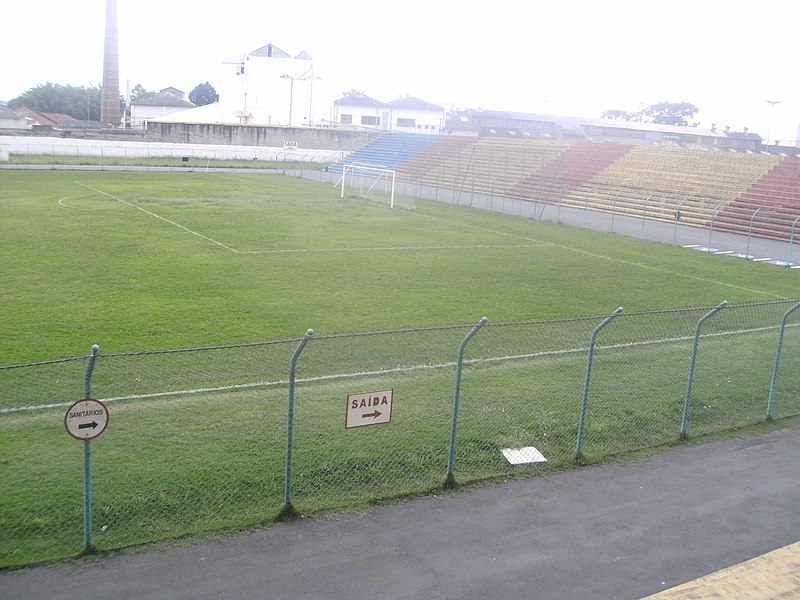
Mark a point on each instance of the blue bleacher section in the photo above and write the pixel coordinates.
(388, 151)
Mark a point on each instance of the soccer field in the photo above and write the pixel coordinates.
(137, 261)
(198, 438)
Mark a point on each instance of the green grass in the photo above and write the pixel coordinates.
(143, 261)
(83, 265)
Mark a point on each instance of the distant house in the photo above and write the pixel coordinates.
(157, 106)
(46, 121)
(10, 119)
(413, 115)
(175, 92)
(407, 114)
(356, 109)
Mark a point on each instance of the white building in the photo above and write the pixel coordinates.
(166, 102)
(270, 87)
(406, 115)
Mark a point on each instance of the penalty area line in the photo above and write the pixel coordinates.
(391, 248)
(152, 214)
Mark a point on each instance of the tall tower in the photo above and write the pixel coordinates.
(109, 102)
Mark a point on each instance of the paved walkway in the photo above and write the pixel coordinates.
(616, 531)
(773, 575)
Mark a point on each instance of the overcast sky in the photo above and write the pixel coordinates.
(565, 57)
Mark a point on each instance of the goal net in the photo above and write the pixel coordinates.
(374, 183)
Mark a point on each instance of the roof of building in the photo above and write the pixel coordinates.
(355, 98)
(270, 51)
(7, 113)
(50, 119)
(463, 119)
(164, 99)
(412, 103)
(174, 91)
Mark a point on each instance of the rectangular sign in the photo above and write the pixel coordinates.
(373, 408)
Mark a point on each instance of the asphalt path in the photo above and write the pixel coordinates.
(608, 531)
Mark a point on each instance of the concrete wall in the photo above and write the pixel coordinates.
(319, 138)
(307, 138)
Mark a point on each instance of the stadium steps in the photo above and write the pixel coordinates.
(388, 151)
(427, 165)
(670, 183)
(769, 207)
(568, 171)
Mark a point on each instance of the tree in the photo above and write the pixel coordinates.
(670, 113)
(202, 94)
(140, 93)
(81, 103)
(665, 113)
(616, 115)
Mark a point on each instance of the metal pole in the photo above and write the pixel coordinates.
(287, 511)
(688, 399)
(791, 240)
(614, 210)
(677, 218)
(585, 403)
(87, 459)
(449, 481)
(773, 384)
(644, 214)
(711, 226)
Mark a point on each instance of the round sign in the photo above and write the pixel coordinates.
(86, 419)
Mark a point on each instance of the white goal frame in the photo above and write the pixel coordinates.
(365, 169)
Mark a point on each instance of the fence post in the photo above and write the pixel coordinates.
(585, 403)
(750, 233)
(614, 210)
(791, 240)
(677, 218)
(87, 460)
(688, 400)
(450, 479)
(288, 512)
(711, 225)
(644, 214)
(774, 382)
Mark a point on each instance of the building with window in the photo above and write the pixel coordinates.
(407, 114)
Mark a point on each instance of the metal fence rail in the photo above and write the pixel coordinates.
(209, 439)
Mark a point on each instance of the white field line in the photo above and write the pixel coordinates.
(391, 248)
(152, 214)
(354, 375)
(616, 260)
(64, 204)
(308, 250)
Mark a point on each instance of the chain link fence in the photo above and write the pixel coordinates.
(201, 440)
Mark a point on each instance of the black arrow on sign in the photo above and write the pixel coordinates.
(93, 425)
(374, 415)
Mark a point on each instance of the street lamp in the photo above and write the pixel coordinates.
(771, 112)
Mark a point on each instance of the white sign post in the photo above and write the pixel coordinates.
(373, 408)
(86, 419)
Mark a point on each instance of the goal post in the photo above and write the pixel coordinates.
(373, 182)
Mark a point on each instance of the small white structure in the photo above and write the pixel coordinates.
(412, 115)
(155, 107)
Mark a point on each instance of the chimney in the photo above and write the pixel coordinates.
(109, 103)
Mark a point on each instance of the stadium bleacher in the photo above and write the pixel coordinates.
(739, 192)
